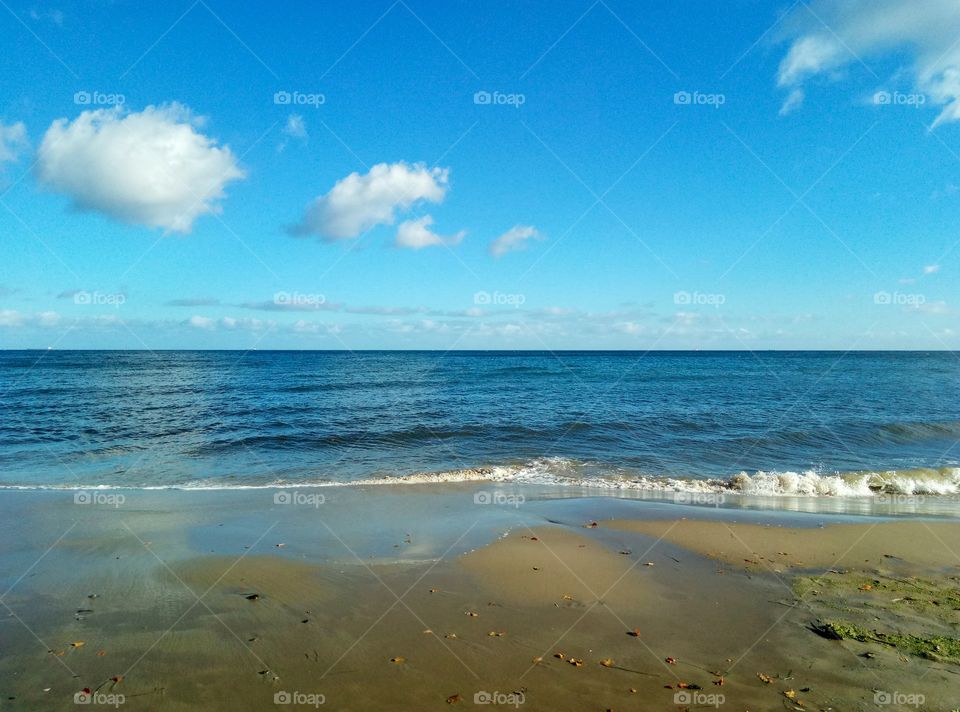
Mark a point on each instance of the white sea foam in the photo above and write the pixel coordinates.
(570, 473)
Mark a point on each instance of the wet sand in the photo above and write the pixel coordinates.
(230, 603)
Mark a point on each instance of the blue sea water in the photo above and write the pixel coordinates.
(886, 421)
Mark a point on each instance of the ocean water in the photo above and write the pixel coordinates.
(807, 423)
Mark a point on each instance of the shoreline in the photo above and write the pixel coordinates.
(405, 598)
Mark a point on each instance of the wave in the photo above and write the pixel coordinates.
(560, 471)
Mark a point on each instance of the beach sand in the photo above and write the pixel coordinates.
(185, 601)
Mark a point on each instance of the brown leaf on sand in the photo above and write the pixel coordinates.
(473, 614)
(454, 699)
(670, 661)
(790, 694)
(497, 633)
(560, 656)
(537, 660)
(451, 636)
(576, 662)
(720, 682)
(765, 678)
(434, 590)
(591, 525)
(607, 662)
(101, 653)
(566, 597)
(78, 644)
(635, 633)
(116, 679)
(649, 563)
(398, 660)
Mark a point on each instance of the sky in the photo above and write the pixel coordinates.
(412, 174)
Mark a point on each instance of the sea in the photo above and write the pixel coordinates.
(798, 424)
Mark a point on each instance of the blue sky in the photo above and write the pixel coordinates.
(624, 175)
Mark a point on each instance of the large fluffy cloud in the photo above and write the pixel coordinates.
(416, 234)
(835, 33)
(359, 202)
(514, 239)
(150, 168)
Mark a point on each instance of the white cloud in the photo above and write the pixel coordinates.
(295, 126)
(202, 322)
(359, 202)
(793, 102)
(514, 239)
(416, 234)
(835, 34)
(13, 139)
(150, 168)
(931, 269)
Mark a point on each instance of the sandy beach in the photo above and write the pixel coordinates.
(189, 600)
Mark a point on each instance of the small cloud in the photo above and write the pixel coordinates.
(202, 322)
(793, 102)
(295, 126)
(931, 269)
(54, 16)
(13, 141)
(514, 240)
(416, 234)
(360, 202)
